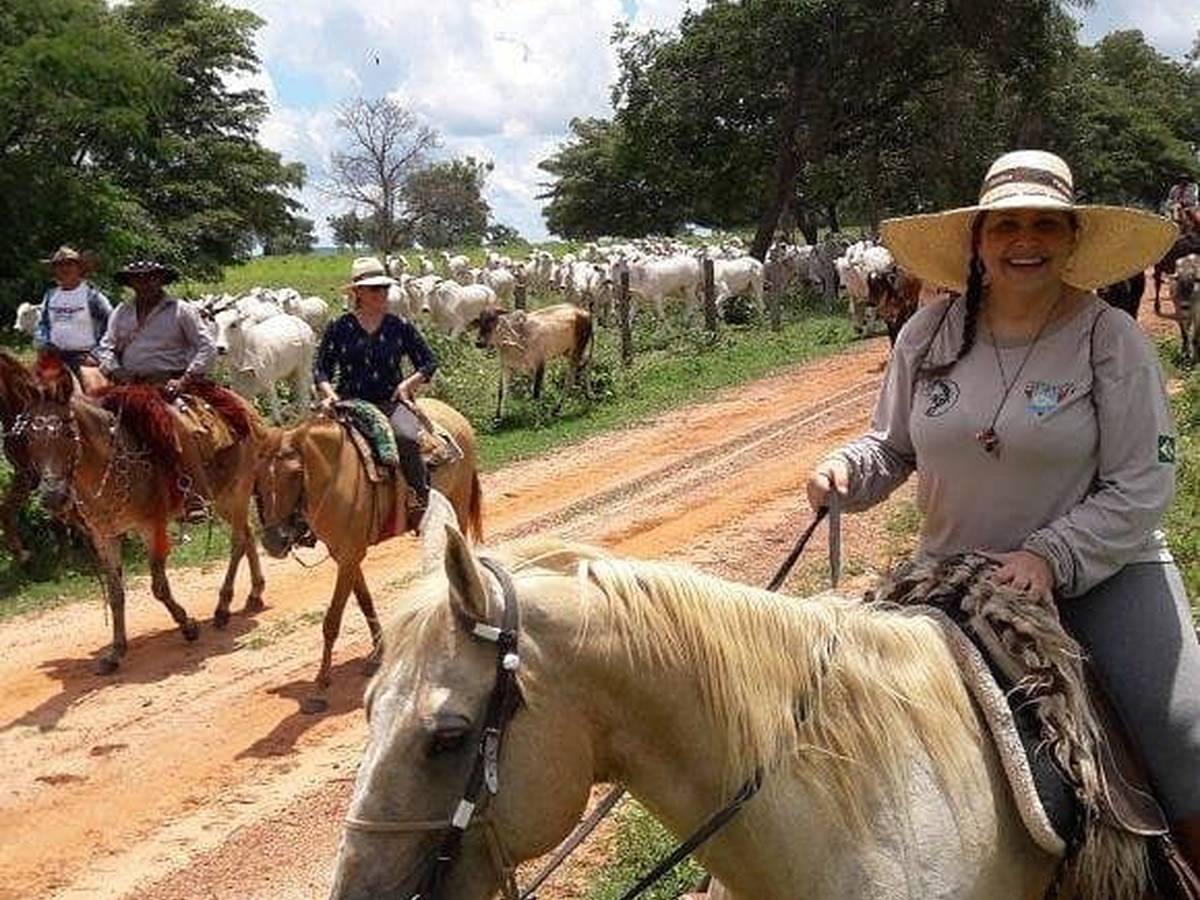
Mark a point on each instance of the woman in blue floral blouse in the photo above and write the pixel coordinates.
(361, 357)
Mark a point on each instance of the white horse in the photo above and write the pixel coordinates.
(879, 778)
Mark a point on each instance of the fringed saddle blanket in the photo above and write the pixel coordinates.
(1030, 665)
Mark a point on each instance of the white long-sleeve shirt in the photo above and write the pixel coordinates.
(1085, 468)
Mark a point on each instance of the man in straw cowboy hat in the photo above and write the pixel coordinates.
(74, 316)
(1037, 420)
(363, 353)
(160, 340)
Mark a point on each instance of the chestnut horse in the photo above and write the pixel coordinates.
(91, 465)
(312, 477)
(878, 774)
(17, 391)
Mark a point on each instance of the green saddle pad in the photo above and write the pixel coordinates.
(369, 421)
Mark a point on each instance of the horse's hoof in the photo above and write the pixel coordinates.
(107, 664)
(190, 629)
(254, 604)
(314, 705)
(221, 617)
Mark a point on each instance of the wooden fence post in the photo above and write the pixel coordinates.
(623, 312)
(710, 297)
(519, 290)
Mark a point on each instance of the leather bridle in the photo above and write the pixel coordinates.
(483, 782)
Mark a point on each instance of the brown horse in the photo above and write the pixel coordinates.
(91, 466)
(17, 391)
(312, 476)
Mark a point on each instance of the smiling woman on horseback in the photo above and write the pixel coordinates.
(363, 353)
(1038, 423)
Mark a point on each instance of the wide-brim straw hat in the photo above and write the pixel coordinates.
(65, 254)
(368, 271)
(1112, 242)
(126, 275)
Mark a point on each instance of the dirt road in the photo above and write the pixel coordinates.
(193, 774)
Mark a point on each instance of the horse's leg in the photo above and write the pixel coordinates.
(161, 588)
(254, 600)
(347, 576)
(367, 604)
(108, 551)
(239, 540)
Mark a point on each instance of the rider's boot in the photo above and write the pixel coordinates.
(417, 476)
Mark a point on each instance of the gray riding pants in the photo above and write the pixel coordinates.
(1137, 629)
(407, 428)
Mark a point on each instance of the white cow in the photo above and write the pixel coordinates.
(656, 279)
(455, 307)
(458, 267)
(313, 310)
(27, 317)
(257, 356)
(501, 281)
(742, 276)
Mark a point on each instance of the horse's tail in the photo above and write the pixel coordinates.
(475, 510)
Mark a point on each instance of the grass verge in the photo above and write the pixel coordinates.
(641, 843)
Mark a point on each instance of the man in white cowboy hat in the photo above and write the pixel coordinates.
(1037, 421)
(362, 356)
(157, 339)
(74, 315)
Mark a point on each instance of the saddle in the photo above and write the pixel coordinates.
(371, 433)
(1078, 786)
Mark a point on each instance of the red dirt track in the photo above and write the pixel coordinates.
(192, 772)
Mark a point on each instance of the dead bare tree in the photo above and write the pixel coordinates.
(384, 144)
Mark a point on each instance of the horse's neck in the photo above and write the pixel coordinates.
(95, 437)
(15, 389)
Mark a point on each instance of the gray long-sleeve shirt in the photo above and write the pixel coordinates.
(170, 339)
(1085, 468)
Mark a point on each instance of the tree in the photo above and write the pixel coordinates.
(295, 237)
(349, 230)
(603, 185)
(77, 94)
(498, 234)
(207, 183)
(443, 202)
(753, 108)
(384, 144)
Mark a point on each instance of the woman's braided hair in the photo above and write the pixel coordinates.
(973, 298)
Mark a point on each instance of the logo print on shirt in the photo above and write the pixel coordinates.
(943, 394)
(1044, 396)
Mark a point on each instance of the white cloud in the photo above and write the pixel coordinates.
(500, 79)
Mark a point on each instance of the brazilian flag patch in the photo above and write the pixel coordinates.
(1166, 448)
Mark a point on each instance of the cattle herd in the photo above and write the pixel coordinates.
(268, 336)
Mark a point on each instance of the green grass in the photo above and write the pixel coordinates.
(641, 843)
(1183, 534)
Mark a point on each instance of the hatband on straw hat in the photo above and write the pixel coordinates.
(1112, 242)
(368, 271)
(131, 270)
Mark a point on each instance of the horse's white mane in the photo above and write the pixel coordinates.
(847, 693)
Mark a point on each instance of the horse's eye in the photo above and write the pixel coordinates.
(447, 740)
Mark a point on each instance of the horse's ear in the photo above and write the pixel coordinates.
(53, 377)
(468, 596)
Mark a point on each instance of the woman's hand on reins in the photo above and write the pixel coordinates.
(832, 474)
(1025, 571)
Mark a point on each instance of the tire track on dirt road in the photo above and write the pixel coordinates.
(192, 773)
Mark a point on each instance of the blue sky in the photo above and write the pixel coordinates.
(500, 79)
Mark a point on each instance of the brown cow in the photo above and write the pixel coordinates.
(526, 341)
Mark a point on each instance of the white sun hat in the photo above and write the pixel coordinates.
(368, 271)
(1112, 243)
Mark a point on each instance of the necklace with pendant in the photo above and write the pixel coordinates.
(988, 439)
